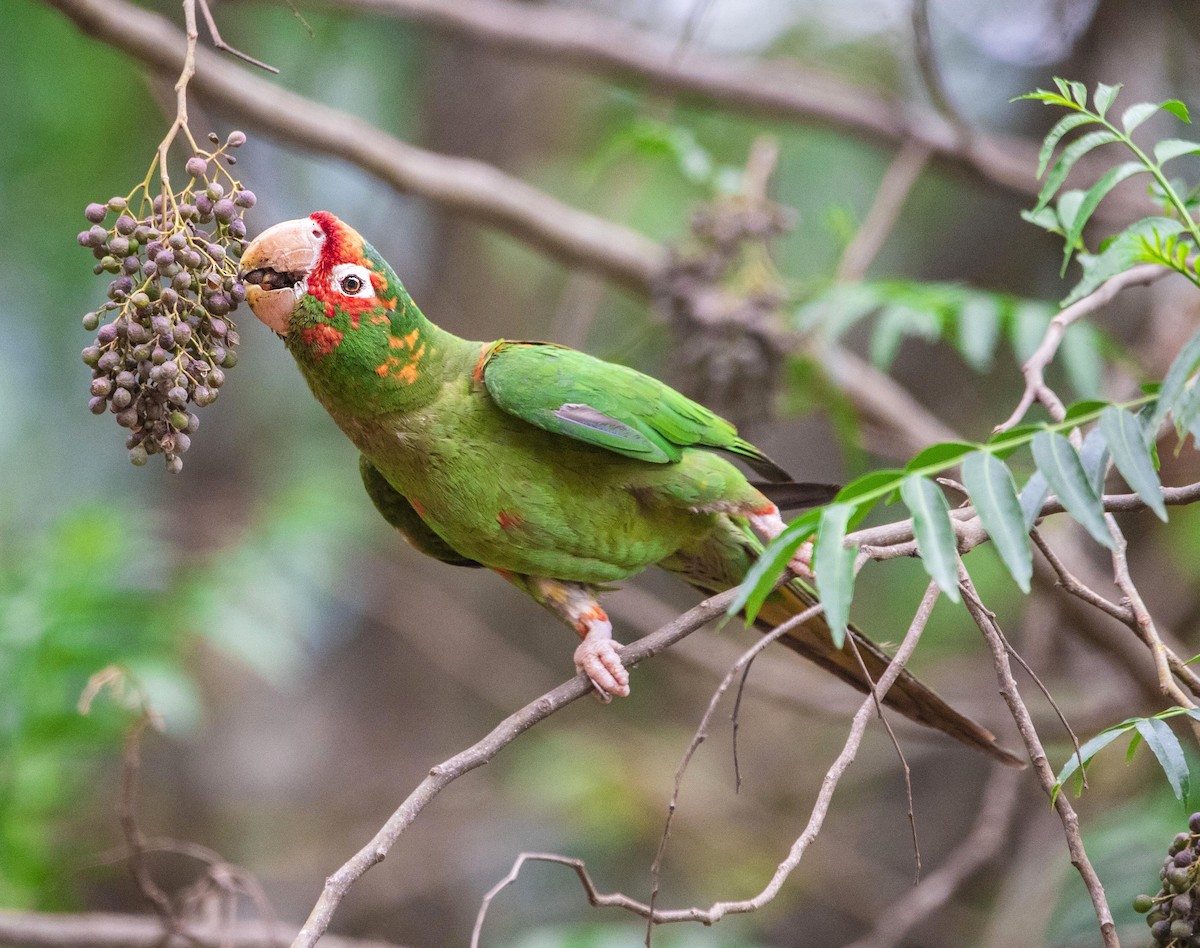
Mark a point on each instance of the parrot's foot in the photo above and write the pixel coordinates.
(597, 658)
(768, 523)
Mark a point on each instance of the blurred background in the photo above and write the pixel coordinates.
(310, 668)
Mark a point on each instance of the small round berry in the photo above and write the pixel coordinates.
(174, 464)
(230, 359)
(95, 212)
(101, 386)
(196, 166)
(138, 456)
(236, 139)
(125, 225)
(91, 321)
(117, 203)
(216, 378)
(97, 404)
(121, 399)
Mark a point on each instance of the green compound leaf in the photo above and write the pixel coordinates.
(990, 486)
(1057, 460)
(1066, 161)
(935, 535)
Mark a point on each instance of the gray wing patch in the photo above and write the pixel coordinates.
(585, 416)
(611, 433)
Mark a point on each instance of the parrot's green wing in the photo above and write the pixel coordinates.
(397, 511)
(610, 406)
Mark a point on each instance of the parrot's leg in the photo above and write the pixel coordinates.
(769, 524)
(596, 656)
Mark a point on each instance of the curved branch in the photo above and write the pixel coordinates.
(478, 754)
(608, 47)
(460, 184)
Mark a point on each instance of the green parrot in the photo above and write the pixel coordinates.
(560, 472)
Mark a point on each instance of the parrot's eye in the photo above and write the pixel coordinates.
(352, 280)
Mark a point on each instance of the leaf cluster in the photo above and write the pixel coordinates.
(1170, 239)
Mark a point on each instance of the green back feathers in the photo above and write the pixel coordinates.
(610, 406)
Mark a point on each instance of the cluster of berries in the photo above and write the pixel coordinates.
(1174, 914)
(164, 337)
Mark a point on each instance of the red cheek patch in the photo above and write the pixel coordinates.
(321, 338)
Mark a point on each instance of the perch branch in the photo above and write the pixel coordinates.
(478, 754)
(833, 775)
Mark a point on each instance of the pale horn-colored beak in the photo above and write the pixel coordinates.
(275, 268)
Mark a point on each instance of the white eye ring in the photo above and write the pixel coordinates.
(352, 280)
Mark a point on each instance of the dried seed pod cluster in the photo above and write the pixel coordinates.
(1174, 914)
(164, 337)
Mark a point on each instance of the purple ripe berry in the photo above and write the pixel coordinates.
(224, 210)
(97, 404)
(121, 398)
(181, 332)
(101, 386)
(95, 212)
(237, 228)
(125, 225)
(245, 198)
(109, 361)
(236, 139)
(85, 238)
(127, 418)
(107, 333)
(169, 297)
(97, 236)
(204, 206)
(196, 166)
(91, 355)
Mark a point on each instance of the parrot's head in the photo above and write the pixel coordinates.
(316, 260)
(342, 312)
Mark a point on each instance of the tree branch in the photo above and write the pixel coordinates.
(483, 751)
(460, 184)
(608, 47)
(112, 930)
(986, 621)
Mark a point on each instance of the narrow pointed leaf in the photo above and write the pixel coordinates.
(1094, 456)
(833, 565)
(935, 535)
(1169, 395)
(990, 485)
(1165, 746)
(883, 481)
(1066, 161)
(1104, 97)
(1170, 148)
(1058, 461)
(1135, 115)
(940, 455)
(1090, 748)
(1033, 495)
(1054, 136)
(1092, 198)
(761, 578)
(1178, 109)
(1123, 432)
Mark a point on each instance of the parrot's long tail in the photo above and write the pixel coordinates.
(721, 560)
(907, 695)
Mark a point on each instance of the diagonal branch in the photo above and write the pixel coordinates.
(986, 621)
(603, 45)
(478, 754)
(462, 185)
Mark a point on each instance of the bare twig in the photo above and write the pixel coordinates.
(1035, 366)
(986, 621)
(1072, 585)
(833, 775)
(483, 751)
(985, 841)
(701, 734)
(220, 44)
